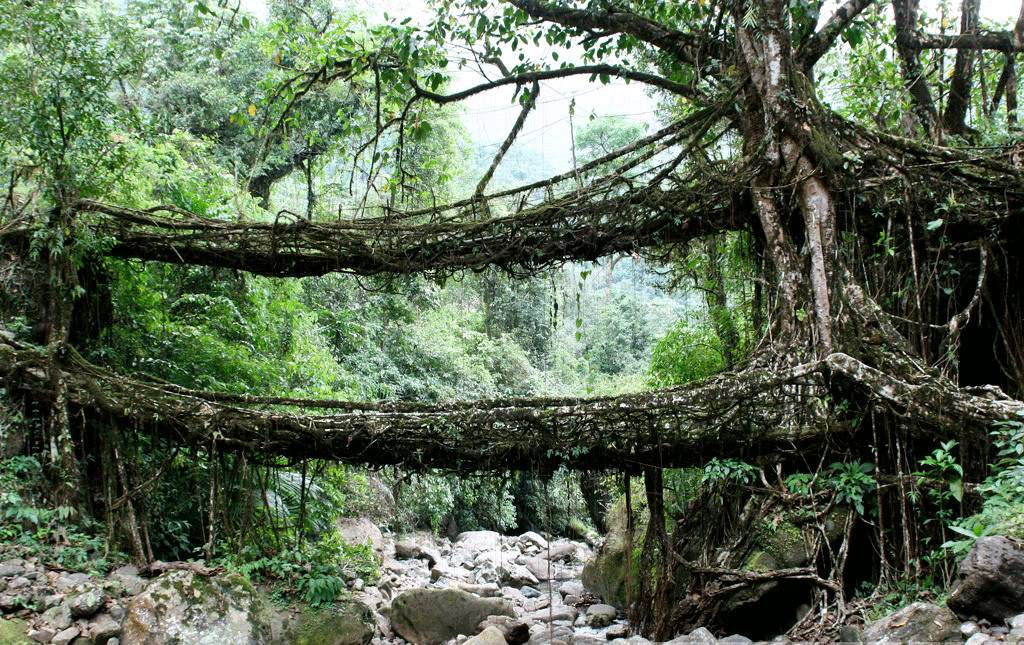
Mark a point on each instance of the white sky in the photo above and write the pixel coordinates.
(489, 116)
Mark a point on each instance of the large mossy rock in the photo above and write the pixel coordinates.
(920, 622)
(990, 580)
(345, 623)
(605, 573)
(436, 615)
(182, 607)
(14, 632)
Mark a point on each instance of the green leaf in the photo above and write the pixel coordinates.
(934, 224)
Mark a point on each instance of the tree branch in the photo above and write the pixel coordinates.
(817, 45)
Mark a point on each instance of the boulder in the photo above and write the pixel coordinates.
(11, 568)
(66, 636)
(539, 567)
(477, 541)
(129, 579)
(59, 617)
(562, 552)
(516, 575)
(102, 628)
(515, 631)
(918, 622)
(360, 530)
(436, 615)
(344, 623)
(410, 550)
(183, 607)
(601, 615)
(489, 590)
(489, 636)
(699, 636)
(990, 580)
(617, 631)
(13, 632)
(86, 602)
(572, 588)
(533, 538)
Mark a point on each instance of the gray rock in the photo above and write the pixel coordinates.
(572, 587)
(553, 614)
(538, 566)
(129, 579)
(601, 615)
(410, 550)
(617, 631)
(68, 581)
(557, 634)
(516, 575)
(515, 631)
(65, 637)
(1017, 622)
(977, 639)
(42, 634)
(182, 607)
(990, 580)
(477, 541)
(735, 639)
(489, 590)
(59, 617)
(102, 628)
(11, 568)
(489, 636)
(18, 583)
(529, 591)
(970, 628)
(701, 635)
(533, 538)
(920, 621)
(562, 552)
(87, 602)
(436, 615)
(361, 530)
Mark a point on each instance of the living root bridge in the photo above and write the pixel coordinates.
(757, 412)
(559, 230)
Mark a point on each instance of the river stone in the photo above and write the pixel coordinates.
(601, 615)
(514, 630)
(102, 628)
(538, 566)
(490, 636)
(533, 538)
(360, 530)
(183, 607)
(66, 636)
(990, 580)
(562, 552)
(11, 568)
(87, 602)
(699, 636)
(410, 550)
(436, 615)
(479, 540)
(58, 617)
(917, 622)
(129, 579)
(516, 575)
(346, 622)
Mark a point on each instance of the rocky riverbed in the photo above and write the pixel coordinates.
(480, 588)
